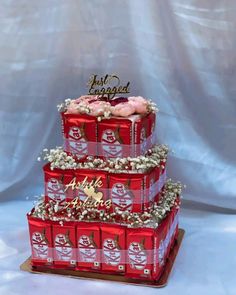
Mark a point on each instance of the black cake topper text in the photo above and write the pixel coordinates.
(107, 86)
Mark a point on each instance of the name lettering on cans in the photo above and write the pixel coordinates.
(93, 198)
(95, 183)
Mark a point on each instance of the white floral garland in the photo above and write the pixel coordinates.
(151, 217)
(154, 157)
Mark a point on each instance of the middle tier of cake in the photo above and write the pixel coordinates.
(126, 184)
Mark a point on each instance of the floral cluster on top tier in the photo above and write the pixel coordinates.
(103, 108)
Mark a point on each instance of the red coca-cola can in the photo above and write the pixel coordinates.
(41, 241)
(80, 134)
(126, 191)
(113, 248)
(88, 246)
(55, 184)
(64, 245)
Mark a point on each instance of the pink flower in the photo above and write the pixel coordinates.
(123, 109)
(72, 108)
(87, 99)
(139, 103)
(117, 100)
(97, 108)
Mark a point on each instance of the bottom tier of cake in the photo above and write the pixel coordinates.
(109, 248)
(73, 273)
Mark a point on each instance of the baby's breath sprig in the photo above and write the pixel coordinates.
(62, 107)
(155, 157)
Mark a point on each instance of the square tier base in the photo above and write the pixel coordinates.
(162, 282)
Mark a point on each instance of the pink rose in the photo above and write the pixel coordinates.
(97, 108)
(116, 100)
(86, 99)
(123, 109)
(72, 108)
(77, 108)
(139, 103)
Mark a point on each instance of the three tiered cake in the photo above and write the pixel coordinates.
(108, 206)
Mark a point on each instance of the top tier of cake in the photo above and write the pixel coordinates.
(116, 128)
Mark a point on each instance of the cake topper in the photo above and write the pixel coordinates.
(107, 86)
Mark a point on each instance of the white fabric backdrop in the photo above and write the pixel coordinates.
(181, 53)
